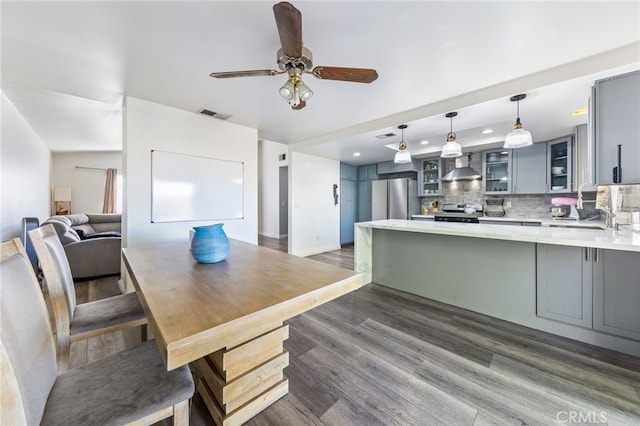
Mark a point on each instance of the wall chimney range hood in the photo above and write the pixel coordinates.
(462, 171)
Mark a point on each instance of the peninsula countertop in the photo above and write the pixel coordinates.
(623, 239)
(529, 220)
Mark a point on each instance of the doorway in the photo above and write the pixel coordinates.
(284, 202)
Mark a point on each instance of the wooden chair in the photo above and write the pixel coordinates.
(77, 322)
(130, 387)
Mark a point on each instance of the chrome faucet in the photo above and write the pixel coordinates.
(610, 222)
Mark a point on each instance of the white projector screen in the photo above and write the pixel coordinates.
(190, 188)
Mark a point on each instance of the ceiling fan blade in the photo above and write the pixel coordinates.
(252, 73)
(301, 105)
(289, 22)
(358, 75)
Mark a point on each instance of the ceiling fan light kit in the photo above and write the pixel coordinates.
(451, 148)
(295, 59)
(294, 90)
(403, 155)
(519, 137)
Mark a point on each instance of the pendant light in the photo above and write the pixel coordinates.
(403, 155)
(518, 138)
(451, 148)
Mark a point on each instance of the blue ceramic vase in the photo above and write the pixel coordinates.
(209, 244)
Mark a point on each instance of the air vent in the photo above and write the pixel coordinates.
(386, 135)
(218, 115)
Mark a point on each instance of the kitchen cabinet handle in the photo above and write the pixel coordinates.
(617, 171)
(586, 254)
(595, 255)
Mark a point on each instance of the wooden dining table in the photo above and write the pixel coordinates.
(229, 317)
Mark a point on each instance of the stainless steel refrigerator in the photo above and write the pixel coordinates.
(394, 199)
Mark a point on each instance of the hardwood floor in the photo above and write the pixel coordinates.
(378, 356)
(342, 257)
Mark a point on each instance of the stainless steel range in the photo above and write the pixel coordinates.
(466, 213)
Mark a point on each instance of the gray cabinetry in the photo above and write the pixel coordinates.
(496, 168)
(348, 172)
(368, 172)
(387, 167)
(529, 169)
(544, 167)
(564, 284)
(584, 167)
(429, 174)
(406, 167)
(616, 108)
(560, 165)
(348, 201)
(616, 293)
(592, 288)
(347, 210)
(364, 201)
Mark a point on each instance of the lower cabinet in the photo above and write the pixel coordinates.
(616, 293)
(564, 284)
(591, 288)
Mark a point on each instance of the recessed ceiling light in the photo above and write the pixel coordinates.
(356, 154)
(579, 112)
(487, 131)
(424, 142)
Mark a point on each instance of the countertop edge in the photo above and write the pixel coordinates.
(625, 240)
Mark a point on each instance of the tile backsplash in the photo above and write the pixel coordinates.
(530, 205)
(620, 200)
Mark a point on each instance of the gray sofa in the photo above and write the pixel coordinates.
(91, 241)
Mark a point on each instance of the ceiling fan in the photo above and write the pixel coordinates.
(295, 59)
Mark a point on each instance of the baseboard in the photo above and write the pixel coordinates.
(318, 250)
(277, 236)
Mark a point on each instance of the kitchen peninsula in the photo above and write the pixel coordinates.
(579, 283)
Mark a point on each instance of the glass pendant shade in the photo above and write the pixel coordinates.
(519, 138)
(287, 90)
(451, 150)
(305, 92)
(403, 156)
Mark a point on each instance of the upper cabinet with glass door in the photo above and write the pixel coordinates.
(429, 177)
(560, 165)
(496, 166)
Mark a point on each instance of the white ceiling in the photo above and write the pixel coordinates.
(67, 66)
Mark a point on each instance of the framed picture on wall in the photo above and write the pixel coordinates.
(62, 200)
(63, 207)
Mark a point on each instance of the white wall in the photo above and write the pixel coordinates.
(87, 186)
(148, 126)
(268, 186)
(314, 220)
(26, 172)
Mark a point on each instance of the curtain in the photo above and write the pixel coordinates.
(110, 191)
